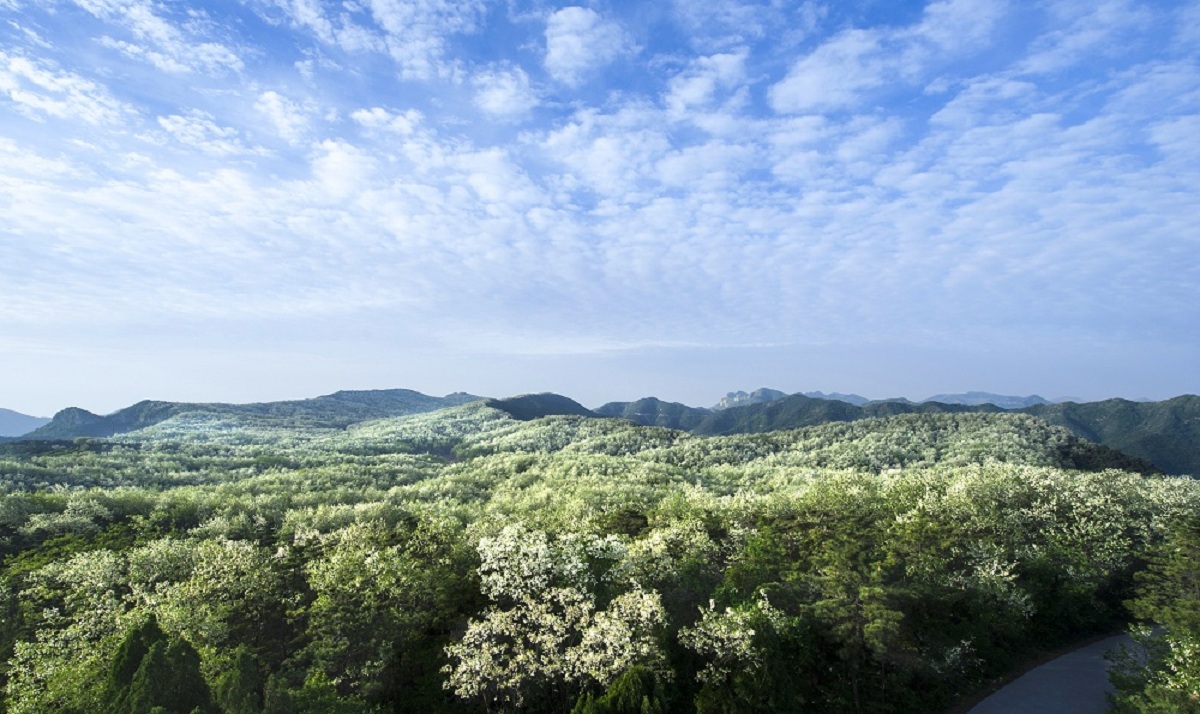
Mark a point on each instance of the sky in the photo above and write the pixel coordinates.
(272, 199)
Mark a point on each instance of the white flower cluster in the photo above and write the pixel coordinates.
(521, 563)
(546, 630)
(1182, 674)
(727, 637)
(657, 557)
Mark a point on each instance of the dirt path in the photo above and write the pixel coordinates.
(1074, 683)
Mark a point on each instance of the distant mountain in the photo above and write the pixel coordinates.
(1135, 436)
(980, 398)
(741, 399)
(762, 396)
(788, 413)
(655, 412)
(1165, 433)
(15, 423)
(339, 409)
(799, 411)
(528, 407)
(854, 399)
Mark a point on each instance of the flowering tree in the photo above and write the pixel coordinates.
(545, 637)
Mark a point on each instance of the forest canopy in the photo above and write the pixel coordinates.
(464, 560)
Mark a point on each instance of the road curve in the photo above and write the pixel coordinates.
(1074, 683)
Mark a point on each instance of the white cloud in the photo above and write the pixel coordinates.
(505, 93)
(843, 71)
(503, 187)
(913, 184)
(729, 23)
(954, 25)
(198, 129)
(32, 36)
(835, 75)
(1176, 140)
(868, 142)
(713, 166)
(19, 165)
(696, 86)
(380, 118)
(1087, 30)
(579, 40)
(38, 89)
(614, 156)
(340, 170)
(1187, 27)
(165, 45)
(341, 30)
(416, 31)
(289, 119)
(986, 100)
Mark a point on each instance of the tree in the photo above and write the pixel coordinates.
(1167, 679)
(239, 689)
(152, 673)
(545, 637)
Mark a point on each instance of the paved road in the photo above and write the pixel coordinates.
(1074, 683)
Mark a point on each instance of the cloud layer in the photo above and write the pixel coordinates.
(522, 180)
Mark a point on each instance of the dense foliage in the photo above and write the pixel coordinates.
(463, 560)
(1161, 674)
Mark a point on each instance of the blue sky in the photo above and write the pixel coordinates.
(271, 199)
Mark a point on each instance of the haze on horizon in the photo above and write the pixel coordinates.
(275, 199)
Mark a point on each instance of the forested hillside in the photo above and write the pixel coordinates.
(467, 560)
(331, 410)
(1166, 433)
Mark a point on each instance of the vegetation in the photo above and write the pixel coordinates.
(466, 560)
(1162, 674)
(1164, 434)
(334, 410)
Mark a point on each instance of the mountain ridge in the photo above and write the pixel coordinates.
(13, 423)
(1165, 433)
(338, 409)
(979, 398)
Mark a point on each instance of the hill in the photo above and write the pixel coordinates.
(338, 410)
(980, 398)
(535, 406)
(741, 399)
(455, 553)
(1166, 434)
(15, 423)
(651, 411)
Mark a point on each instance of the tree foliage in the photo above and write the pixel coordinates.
(463, 560)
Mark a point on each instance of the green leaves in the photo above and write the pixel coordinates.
(152, 673)
(1167, 678)
(462, 559)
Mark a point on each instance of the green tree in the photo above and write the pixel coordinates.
(637, 691)
(151, 673)
(1167, 680)
(239, 689)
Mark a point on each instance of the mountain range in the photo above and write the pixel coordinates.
(15, 423)
(759, 396)
(335, 410)
(1165, 434)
